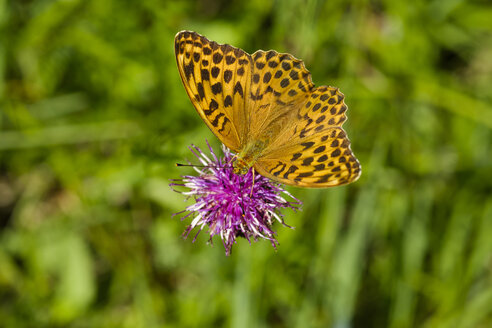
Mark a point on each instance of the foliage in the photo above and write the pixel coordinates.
(93, 117)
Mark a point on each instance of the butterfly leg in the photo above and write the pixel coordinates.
(232, 159)
(253, 184)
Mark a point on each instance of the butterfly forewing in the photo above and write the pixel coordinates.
(216, 80)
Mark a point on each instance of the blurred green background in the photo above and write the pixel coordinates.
(93, 118)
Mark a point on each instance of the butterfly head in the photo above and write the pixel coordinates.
(240, 166)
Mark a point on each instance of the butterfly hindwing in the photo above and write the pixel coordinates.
(280, 83)
(320, 160)
(216, 78)
(324, 109)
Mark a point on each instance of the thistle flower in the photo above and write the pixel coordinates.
(232, 205)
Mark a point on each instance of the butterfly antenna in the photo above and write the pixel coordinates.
(192, 165)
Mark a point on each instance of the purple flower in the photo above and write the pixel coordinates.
(232, 205)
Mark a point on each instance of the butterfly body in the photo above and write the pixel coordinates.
(266, 108)
(249, 156)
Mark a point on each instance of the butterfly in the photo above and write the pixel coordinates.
(266, 109)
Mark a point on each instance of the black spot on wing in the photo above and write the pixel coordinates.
(294, 75)
(307, 161)
(324, 178)
(205, 75)
(201, 91)
(291, 169)
(215, 72)
(258, 55)
(270, 54)
(213, 104)
(307, 145)
(211, 107)
(215, 122)
(176, 46)
(256, 96)
(227, 75)
(295, 156)
(222, 128)
(228, 101)
(292, 92)
(217, 58)
(278, 169)
(189, 70)
(238, 89)
(303, 175)
(217, 88)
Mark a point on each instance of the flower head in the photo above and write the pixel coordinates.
(232, 205)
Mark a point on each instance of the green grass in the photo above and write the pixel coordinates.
(93, 118)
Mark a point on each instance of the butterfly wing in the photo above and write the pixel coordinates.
(216, 78)
(279, 85)
(318, 161)
(301, 125)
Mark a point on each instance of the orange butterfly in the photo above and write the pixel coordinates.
(266, 108)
